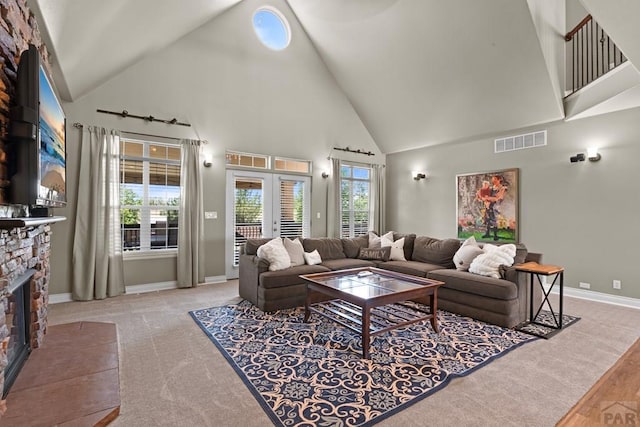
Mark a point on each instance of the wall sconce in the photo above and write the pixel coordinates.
(325, 175)
(207, 163)
(419, 175)
(577, 158)
(593, 155)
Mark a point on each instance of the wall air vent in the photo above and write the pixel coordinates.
(519, 142)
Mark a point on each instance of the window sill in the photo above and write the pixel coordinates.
(150, 254)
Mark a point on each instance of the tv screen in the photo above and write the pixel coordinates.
(52, 155)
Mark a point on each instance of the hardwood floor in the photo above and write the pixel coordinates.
(614, 399)
(71, 380)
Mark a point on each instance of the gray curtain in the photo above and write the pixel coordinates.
(334, 222)
(190, 217)
(377, 221)
(97, 243)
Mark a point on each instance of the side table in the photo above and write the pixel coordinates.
(537, 270)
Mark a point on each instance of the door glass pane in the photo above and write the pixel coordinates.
(293, 212)
(248, 212)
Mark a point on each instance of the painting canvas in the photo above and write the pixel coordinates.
(487, 206)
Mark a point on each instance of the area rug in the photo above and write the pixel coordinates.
(545, 317)
(307, 374)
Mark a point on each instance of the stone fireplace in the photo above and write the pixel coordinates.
(24, 271)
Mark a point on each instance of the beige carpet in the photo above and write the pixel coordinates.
(172, 375)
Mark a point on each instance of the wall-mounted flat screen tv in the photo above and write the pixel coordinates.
(37, 162)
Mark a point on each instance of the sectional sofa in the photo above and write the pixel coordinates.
(502, 301)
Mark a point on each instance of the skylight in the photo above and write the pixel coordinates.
(272, 28)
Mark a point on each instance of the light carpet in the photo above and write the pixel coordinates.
(306, 374)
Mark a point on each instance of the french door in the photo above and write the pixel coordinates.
(262, 205)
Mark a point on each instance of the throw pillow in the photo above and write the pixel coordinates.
(397, 247)
(467, 253)
(375, 241)
(381, 254)
(295, 250)
(274, 252)
(312, 258)
(488, 263)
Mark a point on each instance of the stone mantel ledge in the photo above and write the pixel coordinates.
(9, 223)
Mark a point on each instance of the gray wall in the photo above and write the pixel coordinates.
(583, 216)
(237, 95)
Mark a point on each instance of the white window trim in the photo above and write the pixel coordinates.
(145, 251)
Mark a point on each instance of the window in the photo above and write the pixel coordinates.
(290, 165)
(149, 195)
(272, 28)
(256, 161)
(355, 185)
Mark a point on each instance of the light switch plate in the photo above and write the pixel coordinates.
(211, 215)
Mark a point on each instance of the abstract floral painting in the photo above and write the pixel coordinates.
(487, 205)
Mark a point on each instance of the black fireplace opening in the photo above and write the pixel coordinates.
(18, 319)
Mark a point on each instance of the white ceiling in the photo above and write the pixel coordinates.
(417, 73)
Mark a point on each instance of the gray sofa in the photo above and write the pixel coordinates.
(502, 301)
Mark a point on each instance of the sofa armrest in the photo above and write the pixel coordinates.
(250, 268)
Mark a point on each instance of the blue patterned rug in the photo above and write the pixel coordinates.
(308, 374)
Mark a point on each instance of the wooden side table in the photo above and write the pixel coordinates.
(537, 270)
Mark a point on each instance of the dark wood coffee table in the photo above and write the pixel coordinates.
(361, 300)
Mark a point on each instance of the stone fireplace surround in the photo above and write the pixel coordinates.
(25, 243)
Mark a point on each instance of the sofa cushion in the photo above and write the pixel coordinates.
(375, 241)
(409, 240)
(474, 284)
(328, 248)
(488, 263)
(289, 276)
(414, 268)
(295, 250)
(351, 247)
(467, 253)
(397, 248)
(381, 254)
(252, 245)
(346, 263)
(275, 252)
(312, 258)
(435, 251)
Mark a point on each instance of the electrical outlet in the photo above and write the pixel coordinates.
(617, 284)
(318, 215)
(211, 215)
(584, 285)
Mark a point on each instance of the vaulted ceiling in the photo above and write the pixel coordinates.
(417, 72)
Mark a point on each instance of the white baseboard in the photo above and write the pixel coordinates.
(58, 298)
(598, 296)
(215, 279)
(140, 289)
(151, 287)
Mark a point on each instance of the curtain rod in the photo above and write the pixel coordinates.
(80, 126)
(148, 118)
(358, 151)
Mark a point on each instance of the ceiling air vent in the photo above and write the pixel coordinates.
(519, 142)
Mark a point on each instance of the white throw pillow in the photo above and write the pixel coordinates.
(467, 253)
(488, 263)
(397, 247)
(295, 250)
(274, 252)
(312, 258)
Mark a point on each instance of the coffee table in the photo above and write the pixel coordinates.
(361, 299)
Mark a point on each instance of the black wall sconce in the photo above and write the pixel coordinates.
(592, 155)
(577, 158)
(419, 175)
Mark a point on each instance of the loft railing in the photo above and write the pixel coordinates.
(593, 53)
